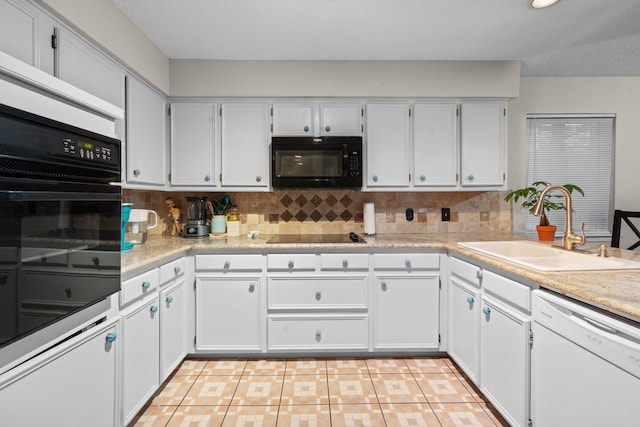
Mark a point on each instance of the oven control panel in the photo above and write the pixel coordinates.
(86, 150)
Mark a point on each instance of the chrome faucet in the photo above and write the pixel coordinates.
(569, 240)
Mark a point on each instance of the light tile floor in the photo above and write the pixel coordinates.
(412, 391)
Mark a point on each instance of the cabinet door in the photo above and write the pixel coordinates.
(227, 313)
(86, 67)
(464, 327)
(245, 147)
(25, 34)
(294, 119)
(140, 356)
(340, 119)
(387, 145)
(193, 127)
(482, 144)
(172, 328)
(505, 360)
(406, 312)
(435, 145)
(72, 384)
(146, 140)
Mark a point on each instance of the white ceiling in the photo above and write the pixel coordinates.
(573, 37)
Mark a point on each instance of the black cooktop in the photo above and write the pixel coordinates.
(317, 238)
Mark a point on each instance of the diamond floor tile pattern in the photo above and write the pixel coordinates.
(378, 392)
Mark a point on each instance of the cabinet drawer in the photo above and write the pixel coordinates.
(406, 261)
(302, 333)
(326, 293)
(95, 259)
(172, 270)
(508, 290)
(292, 262)
(44, 256)
(344, 261)
(465, 270)
(232, 262)
(139, 286)
(63, 289)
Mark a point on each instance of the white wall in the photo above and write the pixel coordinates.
(102, 22)
(446, 79)
(617, 95)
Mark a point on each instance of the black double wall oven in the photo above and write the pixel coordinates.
(60, 227)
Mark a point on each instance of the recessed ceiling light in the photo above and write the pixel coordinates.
(538, 4)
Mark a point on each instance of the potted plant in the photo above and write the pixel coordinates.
(531, 195)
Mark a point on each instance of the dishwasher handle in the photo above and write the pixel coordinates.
(599, 325)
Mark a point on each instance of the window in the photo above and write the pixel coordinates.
(574, 149)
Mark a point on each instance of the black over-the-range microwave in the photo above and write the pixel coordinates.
(305, 161)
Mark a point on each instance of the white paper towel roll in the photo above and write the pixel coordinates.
(369, 219)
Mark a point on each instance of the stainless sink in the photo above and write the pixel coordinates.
(543, 257)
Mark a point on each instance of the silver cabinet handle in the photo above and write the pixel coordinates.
(136, 172)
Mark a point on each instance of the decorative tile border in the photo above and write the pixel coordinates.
(340, 211)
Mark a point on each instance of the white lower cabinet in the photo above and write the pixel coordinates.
(318, 302)
(73, 384)
(464, 317)
(505, 360)
(406, 301)
(489, 336)
(173, 323)
(153, 311)
(228, 313)
(406, 311)
(140, 366)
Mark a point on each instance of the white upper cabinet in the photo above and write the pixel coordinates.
(482, 144)
(245, 145)
(85, 67)
(387, 145)
(435, 145)
(193, 154)
(146, 136)
(341, 119)
(25, 34)
(315, 119)
(294, 119)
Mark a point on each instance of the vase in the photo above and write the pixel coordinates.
(546, 233)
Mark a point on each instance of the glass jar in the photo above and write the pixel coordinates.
(233, 214)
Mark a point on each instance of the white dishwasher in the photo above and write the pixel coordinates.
(585, 366)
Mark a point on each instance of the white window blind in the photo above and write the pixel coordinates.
(574, 149)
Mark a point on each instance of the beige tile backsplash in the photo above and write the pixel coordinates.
(339, 211)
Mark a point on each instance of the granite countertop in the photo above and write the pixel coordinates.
(617, 292)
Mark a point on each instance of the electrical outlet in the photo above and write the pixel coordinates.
(446, 214)
(409, 214)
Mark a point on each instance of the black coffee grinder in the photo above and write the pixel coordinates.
(197, 218)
